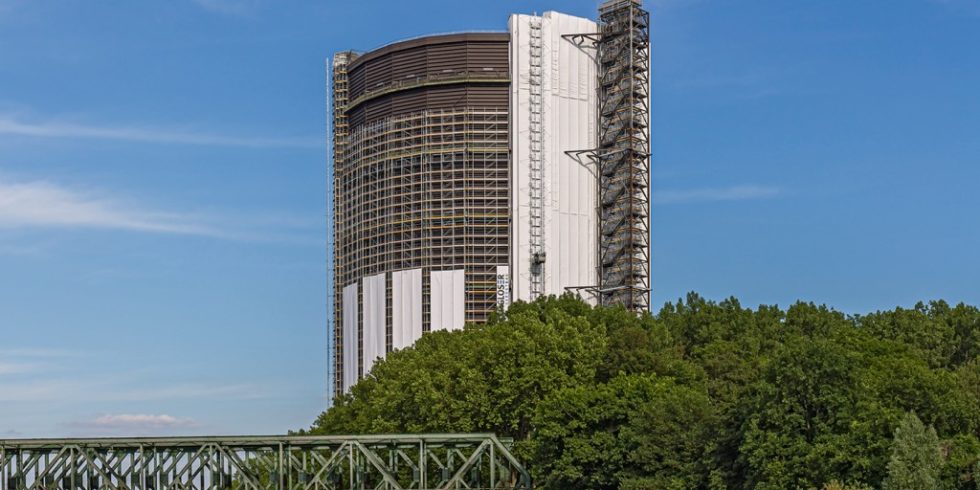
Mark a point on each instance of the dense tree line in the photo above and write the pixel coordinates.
(701, 395)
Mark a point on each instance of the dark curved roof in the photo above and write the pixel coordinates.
(417, 42)
(432, 72)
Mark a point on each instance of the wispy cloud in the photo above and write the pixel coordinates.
(42, 204)
(16, 367)
(10, 125)
(46, 380)
(40, 375)
(132, 424)
(37, 352)
(193, 391)
(38, 204)
(77, 389)
(28, 361)
(713, 194)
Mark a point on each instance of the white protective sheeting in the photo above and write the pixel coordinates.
(448, 298)
(350, 343)
(373, 288)
(406, 311)
(568, 114)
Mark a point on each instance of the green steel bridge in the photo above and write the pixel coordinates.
(381, 462)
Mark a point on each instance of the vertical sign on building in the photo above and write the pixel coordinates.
(503, 288)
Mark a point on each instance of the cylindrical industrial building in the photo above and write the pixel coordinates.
(465, 175)
(420, 190)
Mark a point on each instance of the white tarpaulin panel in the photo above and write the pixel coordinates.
(406, 311)
(566, 107)
(350, 344)
(374, 320)
(448, 298)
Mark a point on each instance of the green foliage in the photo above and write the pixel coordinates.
(836, 485)
(968, 381)
(944, 336)
(805, 423)
(915, 461)
(488, 378)
(702, 395)
(653, 431)
(961, 470)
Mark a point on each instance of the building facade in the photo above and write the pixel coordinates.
(464, 176)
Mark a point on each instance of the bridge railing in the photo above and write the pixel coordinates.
(382, 462)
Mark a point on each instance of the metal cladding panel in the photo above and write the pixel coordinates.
(448, 298)
(351, 344)
(568, 118)
(446, 57)
(407, 65)
(406, 314)
(429, 57)
(427, 98)
(374, 320)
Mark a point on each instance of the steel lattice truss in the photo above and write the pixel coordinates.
(452, 461)
(623, 155)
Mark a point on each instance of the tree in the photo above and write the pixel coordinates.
(702, 395)
(968, 378)
(836, 485)
(672, 438)
(804, 425)
(485, 378)
(916, 461)
(637, 431)
(944, 336)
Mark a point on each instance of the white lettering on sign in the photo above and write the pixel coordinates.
(503, 288)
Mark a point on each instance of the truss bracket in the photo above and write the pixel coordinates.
(584, 39)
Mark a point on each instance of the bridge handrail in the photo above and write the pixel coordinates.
(251, 441)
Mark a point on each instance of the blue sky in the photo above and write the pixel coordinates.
(163, 167)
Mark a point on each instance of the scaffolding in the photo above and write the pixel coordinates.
(425, 190)
(623, 154)
(622, 158)
(341, 131)
(536, 162)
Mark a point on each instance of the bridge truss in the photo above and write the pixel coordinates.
(389, 462)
